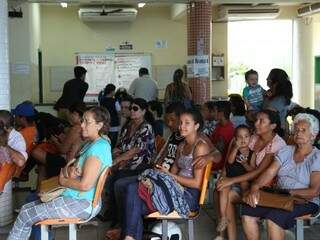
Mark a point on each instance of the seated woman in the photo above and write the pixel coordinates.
(178, 91)
(134, 152)
(49, 164)
(76, 200)
(297, 169)
(265, 143)
(182, 171)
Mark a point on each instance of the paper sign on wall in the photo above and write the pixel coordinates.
(20, 68)
(198, 66)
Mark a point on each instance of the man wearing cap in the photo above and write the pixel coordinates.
(74, 91)
(24, 115)
(24, 119)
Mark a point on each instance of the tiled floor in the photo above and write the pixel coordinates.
(204, 228)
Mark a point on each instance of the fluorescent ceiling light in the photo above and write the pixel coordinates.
(141, 5)
(64, 4)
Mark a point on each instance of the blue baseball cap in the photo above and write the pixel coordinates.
(24, 109)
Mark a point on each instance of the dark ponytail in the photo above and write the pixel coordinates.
(177, 80)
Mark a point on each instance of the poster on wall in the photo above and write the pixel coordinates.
(117, 68)
(198, 66)
(127, 69)
(100, 68)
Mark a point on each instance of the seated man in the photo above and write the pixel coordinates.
(24, 115)
(13, 144)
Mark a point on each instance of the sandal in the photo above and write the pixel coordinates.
(218, 238)
(113, 234)
(222, 225)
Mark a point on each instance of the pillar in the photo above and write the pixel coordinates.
(4, 58)
(199, 17)
(6, 214)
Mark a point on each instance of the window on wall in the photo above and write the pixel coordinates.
(258, 45)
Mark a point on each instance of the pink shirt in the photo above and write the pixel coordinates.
(273, 147)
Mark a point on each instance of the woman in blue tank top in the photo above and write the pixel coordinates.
(76, 201)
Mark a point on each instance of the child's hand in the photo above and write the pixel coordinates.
(242, 159)
(161, 168)
(268, 93)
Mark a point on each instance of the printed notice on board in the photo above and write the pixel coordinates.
(100, 69)
(198, 66)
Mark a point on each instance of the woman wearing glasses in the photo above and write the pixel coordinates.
(134, 152)
(76, 200)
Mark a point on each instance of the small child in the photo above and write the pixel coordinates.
(209, 116)
(240, 160)
(253, 93)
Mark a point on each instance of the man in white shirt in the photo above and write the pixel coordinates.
(144, 86)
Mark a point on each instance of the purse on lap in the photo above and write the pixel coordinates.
(50, 188)
(276, 199)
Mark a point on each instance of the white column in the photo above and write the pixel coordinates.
(303, 62)
(4, 57)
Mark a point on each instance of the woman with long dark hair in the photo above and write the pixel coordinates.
(297, 171)
(178, 91)
(279, 95)
(182, 173)
(264, 143)
(134, 152)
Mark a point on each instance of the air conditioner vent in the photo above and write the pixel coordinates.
(108, 14)
(309, 9)
(240, 13)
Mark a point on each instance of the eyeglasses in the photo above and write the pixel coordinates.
(134, 108)
(86, 122)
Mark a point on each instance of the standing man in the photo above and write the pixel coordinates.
(74, 91)
(144, 86)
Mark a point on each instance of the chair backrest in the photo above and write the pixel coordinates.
(100, 185)
(206, 175)
(159, 142)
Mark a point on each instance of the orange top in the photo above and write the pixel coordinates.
(29, 134)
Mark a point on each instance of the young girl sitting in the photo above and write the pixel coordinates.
(240, 159)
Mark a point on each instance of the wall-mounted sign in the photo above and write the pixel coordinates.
(198, 66)
(161, 44)
(126, 46)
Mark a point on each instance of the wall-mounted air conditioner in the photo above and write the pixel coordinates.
(108, 14)
(242, 13)
(309, 10)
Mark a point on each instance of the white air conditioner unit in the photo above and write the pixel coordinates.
(242, 13)
(108, 14)
(309, 10)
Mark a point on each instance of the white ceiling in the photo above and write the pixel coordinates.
(14, 3)
(167, 1)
